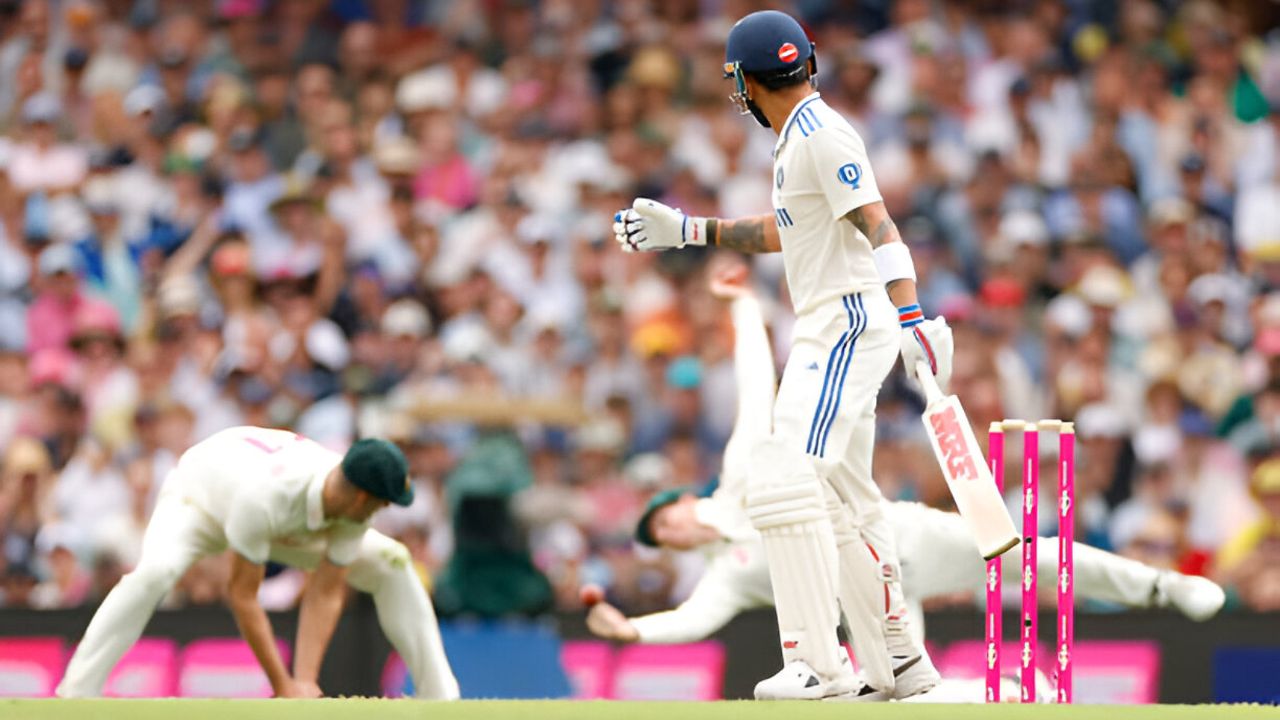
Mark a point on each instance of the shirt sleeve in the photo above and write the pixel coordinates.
(344, 543)
(841, 168)
(718, 597)
(248, 527)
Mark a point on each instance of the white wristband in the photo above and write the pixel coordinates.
(893, 261)
(693, 231)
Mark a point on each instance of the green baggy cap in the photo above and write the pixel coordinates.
(644, 535)
(379, 468)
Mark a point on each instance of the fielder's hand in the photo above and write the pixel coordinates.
(928, 341)
(649, 225)
(606, 621)
(299, 689)
(729, 278)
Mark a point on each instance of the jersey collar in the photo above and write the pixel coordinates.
(315, 501)
(791, 120)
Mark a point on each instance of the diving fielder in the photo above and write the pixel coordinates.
(810, 493)
(273, 495)
(936, 549)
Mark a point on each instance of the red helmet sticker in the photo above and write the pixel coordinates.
(788, 53)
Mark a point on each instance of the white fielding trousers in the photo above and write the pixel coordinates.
(179, 533)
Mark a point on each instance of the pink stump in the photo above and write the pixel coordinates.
(1066, 559)
(994, 604)
(1030, 530)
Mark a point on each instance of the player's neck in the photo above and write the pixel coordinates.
(332, 499)
(777, 106)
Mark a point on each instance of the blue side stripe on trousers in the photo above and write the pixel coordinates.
(844, 373)
(839, 356)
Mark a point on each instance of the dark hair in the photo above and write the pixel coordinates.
(776, 80)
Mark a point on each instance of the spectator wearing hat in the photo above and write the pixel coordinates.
(302, 250)
(115, 267)
(26, 486)
(59, 296)
(108, 387)
(447, 179)
(1250, 561)
(190, 197)
(404, 327)
(39, 163)
(66, 582)
(252, 186)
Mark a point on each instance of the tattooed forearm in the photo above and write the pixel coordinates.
(874, 222)
(749, 235)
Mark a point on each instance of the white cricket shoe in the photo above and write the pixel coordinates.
(1196, 597)
(798, 681)
(914, 676)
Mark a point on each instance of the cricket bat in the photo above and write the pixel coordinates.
(968, 476)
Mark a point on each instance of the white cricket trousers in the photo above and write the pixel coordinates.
(179, 534)
(840, 356)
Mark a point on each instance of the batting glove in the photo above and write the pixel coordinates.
(927, 341)
(649, 225)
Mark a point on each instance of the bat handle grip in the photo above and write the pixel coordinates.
(932, 393)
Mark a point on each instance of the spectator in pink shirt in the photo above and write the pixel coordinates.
(51, 319)
(448, 177)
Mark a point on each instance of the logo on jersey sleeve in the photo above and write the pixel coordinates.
(778, 178)
(850, 174)
(788, 53)
(782, 218)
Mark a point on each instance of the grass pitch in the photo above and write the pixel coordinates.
(376, 709)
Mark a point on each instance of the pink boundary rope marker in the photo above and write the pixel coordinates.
(1066, 558)
(1030, 530)
(994, 610)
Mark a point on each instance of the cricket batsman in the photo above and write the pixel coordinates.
(936, 549)
(809, 492)
(273, 495)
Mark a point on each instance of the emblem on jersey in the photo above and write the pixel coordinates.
(783, 217)
(850, 174)
(777, 177)
(788, 53)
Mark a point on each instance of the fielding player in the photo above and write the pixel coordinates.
(273, 495)
(938, 554)
(810, 493)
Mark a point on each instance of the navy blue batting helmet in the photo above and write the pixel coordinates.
(765, 43)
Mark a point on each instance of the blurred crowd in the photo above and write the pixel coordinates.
(362, 217)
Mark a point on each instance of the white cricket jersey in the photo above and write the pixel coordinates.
(820, 174)
(263, 487)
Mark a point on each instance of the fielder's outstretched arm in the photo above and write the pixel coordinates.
(719, 597)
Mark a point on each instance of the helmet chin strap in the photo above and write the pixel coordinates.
(757, 113)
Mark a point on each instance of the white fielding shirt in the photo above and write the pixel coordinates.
(821, 173)
(263, 488)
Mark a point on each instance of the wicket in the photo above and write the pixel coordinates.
(1066, 562)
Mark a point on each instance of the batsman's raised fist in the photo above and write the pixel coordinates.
(649, 225)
